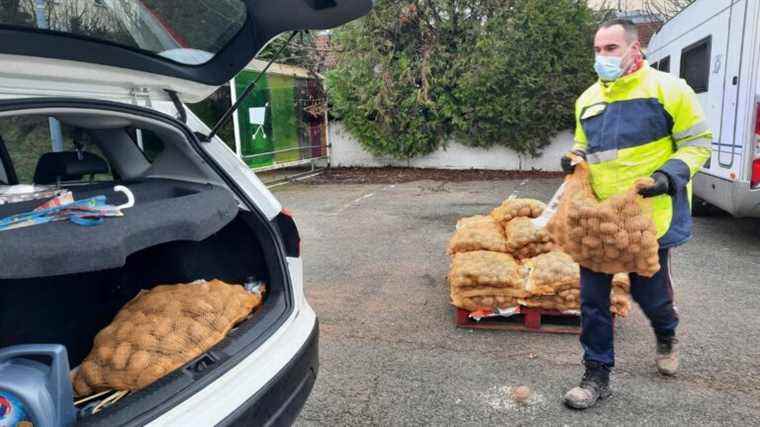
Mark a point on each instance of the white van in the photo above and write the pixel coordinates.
(114, 74)
(713, 45)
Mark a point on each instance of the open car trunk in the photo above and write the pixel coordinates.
(71, 309)
(62, 282)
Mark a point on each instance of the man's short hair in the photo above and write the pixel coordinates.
(631, 32)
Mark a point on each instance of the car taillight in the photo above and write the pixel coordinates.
(289, 233)
(755, 173)
(755, 180)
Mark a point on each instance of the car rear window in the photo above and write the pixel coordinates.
(148, 142)
(28, 138)
(188, 32)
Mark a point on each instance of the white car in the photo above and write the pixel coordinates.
(114, 75)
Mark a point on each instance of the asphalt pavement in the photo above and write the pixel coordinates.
(375, 268)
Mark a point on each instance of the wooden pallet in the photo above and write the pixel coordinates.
(528, 320)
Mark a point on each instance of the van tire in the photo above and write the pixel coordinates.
(701, 208)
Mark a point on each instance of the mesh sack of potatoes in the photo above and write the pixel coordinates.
(485, 268)
(525, 240)
(473, 220)
(612, 236)
(550, 302)
(622, 281)
(620, 298)
(551, 273)
(477, 233)
(514, 208)
(161, 330)
(480, 298)
(570, 299)
(484, 302)
(620, 302)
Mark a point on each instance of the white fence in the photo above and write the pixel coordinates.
(346, 151)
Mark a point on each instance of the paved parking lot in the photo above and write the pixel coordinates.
(375, 269)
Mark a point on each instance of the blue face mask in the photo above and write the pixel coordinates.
(608, 68)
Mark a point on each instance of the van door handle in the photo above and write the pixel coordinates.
(735, 80)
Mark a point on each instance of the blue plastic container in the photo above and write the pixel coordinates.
(41, 392)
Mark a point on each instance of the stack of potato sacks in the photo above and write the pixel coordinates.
(503, 260)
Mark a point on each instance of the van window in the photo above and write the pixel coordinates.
(665, 64)
(655, 66)
(695, 65)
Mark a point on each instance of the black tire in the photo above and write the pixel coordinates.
(700, 207)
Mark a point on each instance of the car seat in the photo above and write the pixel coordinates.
(54, 168)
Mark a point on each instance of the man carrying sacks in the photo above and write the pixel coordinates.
(635, 122)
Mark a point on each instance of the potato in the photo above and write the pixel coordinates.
(622, 239)
(593, 225)
(588, 212)
(608, 228)
(626, 257)
(632, 209)
(611, 253)
(591, 242)
(648, 238)
(642, 264)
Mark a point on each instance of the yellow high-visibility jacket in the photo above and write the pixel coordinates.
(644, 122)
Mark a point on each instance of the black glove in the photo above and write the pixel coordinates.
(661, 186)
(567, 163)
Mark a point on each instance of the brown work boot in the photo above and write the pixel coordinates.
(667, 355)
(594, 386)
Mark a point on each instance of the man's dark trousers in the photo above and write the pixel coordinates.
(653, 294)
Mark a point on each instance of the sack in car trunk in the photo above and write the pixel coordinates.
(161, 330)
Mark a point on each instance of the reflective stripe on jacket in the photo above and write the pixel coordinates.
(644, 122)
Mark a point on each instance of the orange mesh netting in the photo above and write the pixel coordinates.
(621, 294)
(477, 233)
(484, 268)
(551, 273)
(514, 208)
(525, 240)
(612, 236)
(485, 280)
(161, 330)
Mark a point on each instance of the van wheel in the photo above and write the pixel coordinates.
(700, 207)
